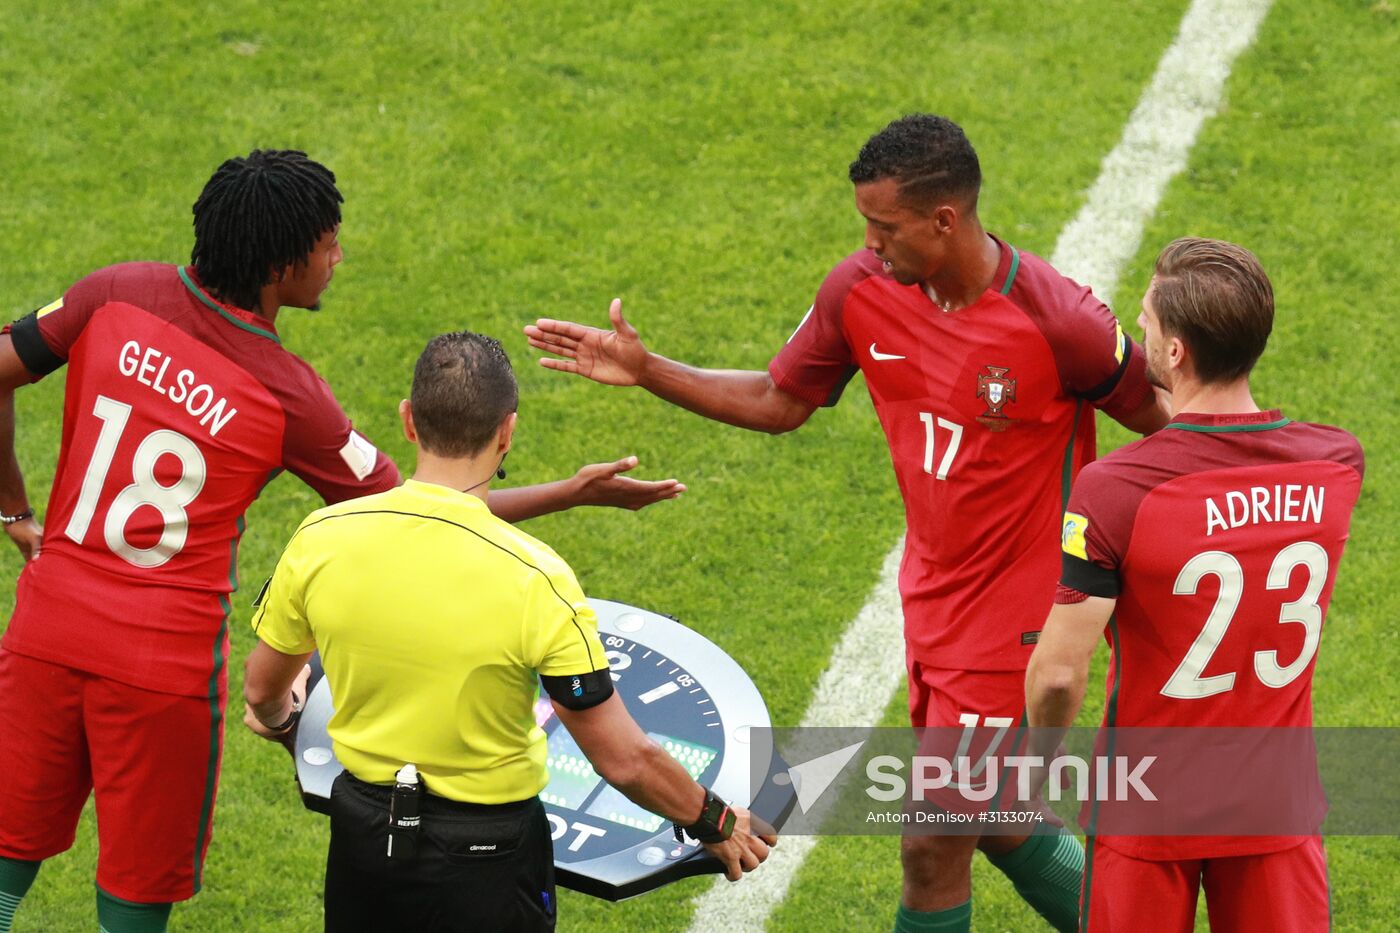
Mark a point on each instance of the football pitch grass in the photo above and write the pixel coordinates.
(506, 161)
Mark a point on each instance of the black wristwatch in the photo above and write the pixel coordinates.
(716, 822)
(292, 718)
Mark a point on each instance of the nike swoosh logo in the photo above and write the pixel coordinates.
(877, 355)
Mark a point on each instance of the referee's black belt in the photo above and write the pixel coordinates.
(433, 805)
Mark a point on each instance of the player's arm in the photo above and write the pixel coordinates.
(1100, 364)
(645, 774)
(1090, 584)
(594, 484)
(14, 499)
(1058, 673)
(340, 463)
(744, 398)
(1154, 412)
(31, 348)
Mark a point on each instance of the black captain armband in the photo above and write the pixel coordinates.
(1076, 573)
(30, 347)
(579, 691)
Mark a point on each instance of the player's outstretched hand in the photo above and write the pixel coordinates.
(604, 484)
(744, 850)
(26, 535)
(613, 357)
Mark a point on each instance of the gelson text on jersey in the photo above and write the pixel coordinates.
(1279, 503)
(150, 367)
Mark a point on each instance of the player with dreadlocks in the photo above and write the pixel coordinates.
(181, 404)
(263, 212)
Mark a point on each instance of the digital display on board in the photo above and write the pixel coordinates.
(571, 775)
(572, 779)
(611, 805)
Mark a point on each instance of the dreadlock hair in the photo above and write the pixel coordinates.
(463, 388)
(929, 156)
(259, 214)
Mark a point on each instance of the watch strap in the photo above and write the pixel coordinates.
(716, 823)
(292, 718)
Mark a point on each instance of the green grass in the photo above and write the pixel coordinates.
(503, 161)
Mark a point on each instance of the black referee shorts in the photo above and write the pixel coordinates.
(477, 868)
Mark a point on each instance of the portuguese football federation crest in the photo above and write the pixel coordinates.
(994, 386)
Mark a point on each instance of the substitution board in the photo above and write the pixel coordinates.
(686, 694)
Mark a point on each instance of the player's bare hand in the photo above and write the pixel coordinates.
(26, 535)
(1035, 803)
(604, 484)
(615, 357)
(743, 851)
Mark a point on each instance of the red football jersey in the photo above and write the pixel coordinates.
(1220, 537)
(178, 410)
(988, 411)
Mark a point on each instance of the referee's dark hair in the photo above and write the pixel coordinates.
(463, 388)
(928, 155)
(258, 215)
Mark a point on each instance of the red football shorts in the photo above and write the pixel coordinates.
(950, 698)
(1280, 892)
(965, 718)
(150, 759)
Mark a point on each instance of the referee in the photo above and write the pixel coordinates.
(436, 621)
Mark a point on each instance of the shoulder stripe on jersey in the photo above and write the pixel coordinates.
(840, 386)
(573, 616)
(216, 731)
(1228, 428)
(1011, 273)
(1110, 720)
(1088, 882)
(211, 303)
(1067, 465)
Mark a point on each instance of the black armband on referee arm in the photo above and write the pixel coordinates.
(579, 691)
(30, 347)
(1087, 577)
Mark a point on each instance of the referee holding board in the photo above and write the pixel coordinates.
(436, 621)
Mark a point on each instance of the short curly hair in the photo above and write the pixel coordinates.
(928, 155)
(463, 389)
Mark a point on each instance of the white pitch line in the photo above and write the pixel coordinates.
(868, 662)
(854, 690)
(1184, 93)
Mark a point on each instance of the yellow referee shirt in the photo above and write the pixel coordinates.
(433, 618)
